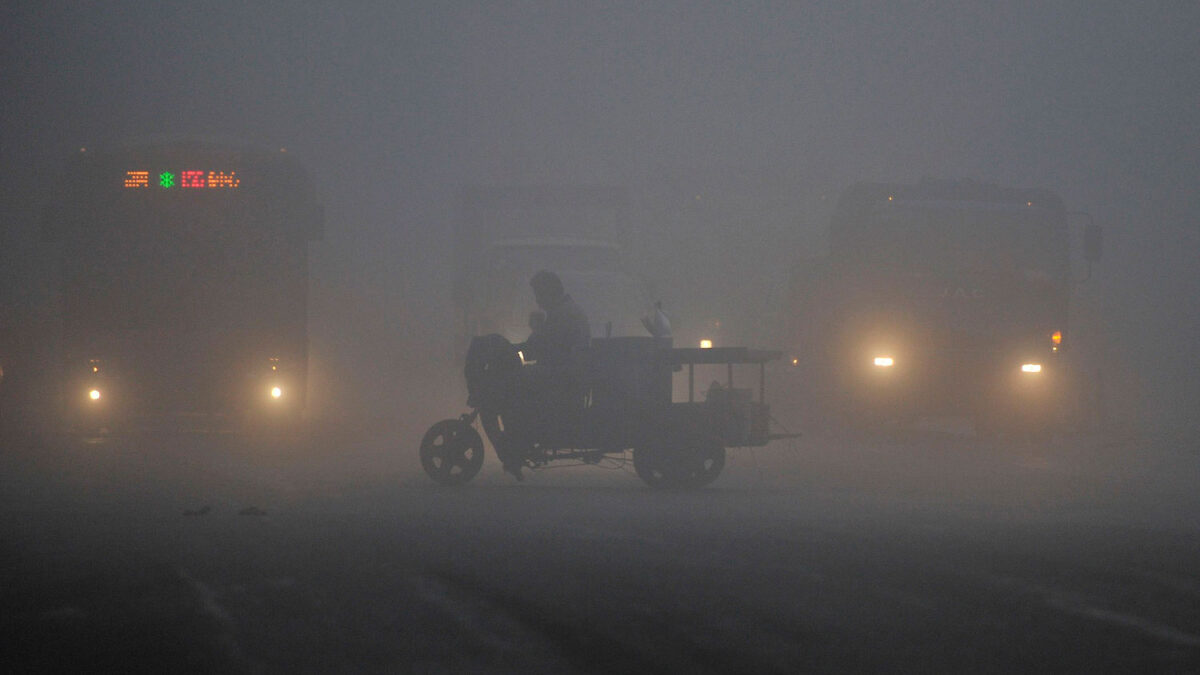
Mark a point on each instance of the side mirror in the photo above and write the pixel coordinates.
(1093, 242)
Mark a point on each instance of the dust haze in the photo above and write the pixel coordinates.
(732, 129)
(717, 139)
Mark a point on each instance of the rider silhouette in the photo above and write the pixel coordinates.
(544, 387)
(564, 328)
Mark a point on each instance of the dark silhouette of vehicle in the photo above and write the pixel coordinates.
(939, 298)
(621, 399)
(183, 277)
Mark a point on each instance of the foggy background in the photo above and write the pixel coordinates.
(733, 126)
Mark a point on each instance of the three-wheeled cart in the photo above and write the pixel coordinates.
(618, 397)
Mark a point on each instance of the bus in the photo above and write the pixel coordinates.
(941, 298)
(183, 283)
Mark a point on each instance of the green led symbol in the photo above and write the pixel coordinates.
(166, 179)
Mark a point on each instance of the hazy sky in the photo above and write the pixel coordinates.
(393, 105)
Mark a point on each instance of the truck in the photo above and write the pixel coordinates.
(940, 298)
(182, 270)
(505, 234)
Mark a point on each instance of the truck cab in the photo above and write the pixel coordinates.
(939, 298)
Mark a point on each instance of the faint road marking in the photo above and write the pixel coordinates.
(1077, 605)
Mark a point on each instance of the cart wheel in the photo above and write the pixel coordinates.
(451, 452)
(707, 464)
(659, 468)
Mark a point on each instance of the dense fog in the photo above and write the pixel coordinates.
(733, 129)
(692, 155)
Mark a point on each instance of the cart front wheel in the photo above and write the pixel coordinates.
(451, 452)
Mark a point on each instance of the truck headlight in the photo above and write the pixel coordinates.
(94, 394)
(1031, 368)
(884, 362)
(276, 392)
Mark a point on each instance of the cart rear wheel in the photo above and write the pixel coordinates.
(663, 468)
(707, 463)
(659, 468)
(451, 452)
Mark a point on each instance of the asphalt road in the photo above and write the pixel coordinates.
(332, 553)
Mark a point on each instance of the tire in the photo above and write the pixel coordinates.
(670, 468)
(451, 452)
(657, 468)
(708, 462)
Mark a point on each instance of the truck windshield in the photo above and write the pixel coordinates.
(960, 240)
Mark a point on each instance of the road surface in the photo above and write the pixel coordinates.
(332, 553)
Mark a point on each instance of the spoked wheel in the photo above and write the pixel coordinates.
(451, 452)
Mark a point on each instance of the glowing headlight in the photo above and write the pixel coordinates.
(884, 361)
(94, 394)
(706, 344)
(1031, 368)
(276, 392)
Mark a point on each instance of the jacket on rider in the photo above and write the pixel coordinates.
(565, 327)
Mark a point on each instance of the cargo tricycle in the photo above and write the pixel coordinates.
(616, 396)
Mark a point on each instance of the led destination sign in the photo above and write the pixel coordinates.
(182, 179)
